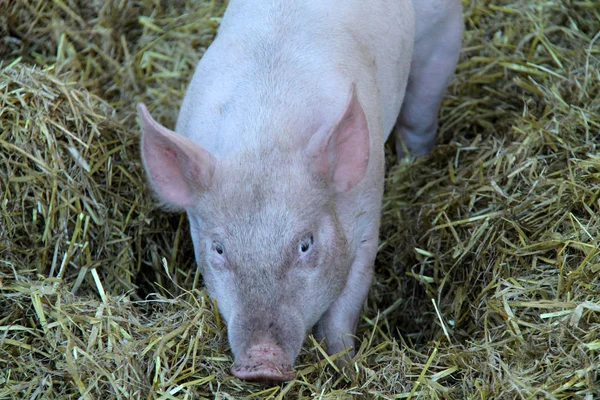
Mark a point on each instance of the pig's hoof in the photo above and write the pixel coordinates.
(263, 372)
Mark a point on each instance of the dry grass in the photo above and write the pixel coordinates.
(488, 283)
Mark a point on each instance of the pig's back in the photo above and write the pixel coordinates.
(280, 69)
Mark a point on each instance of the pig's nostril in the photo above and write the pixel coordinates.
(264, 362)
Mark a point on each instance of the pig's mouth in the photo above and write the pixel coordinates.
(263, 363)
(263, 373)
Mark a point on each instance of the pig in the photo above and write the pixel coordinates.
(278, 159)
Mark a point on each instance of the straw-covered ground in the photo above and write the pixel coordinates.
(488, 277)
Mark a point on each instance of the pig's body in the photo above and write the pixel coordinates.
(294, 58)
(266, 166)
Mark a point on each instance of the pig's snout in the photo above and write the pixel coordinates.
(263, 362)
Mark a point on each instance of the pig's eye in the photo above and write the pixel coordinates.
(218, 247)
(305, 244)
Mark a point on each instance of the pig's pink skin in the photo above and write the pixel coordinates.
(263, 362)
(278, 159)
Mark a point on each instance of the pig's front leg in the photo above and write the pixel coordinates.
(338, 324)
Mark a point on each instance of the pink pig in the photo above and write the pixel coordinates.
(278, 159)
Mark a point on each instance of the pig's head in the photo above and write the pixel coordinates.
(266, 234)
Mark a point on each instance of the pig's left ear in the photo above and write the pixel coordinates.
(178, 168)
(341, 154)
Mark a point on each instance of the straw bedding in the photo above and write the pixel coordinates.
(487, 280)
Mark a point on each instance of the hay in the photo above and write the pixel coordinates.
(488, 273)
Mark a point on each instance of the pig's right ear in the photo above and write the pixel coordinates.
(177, 167)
